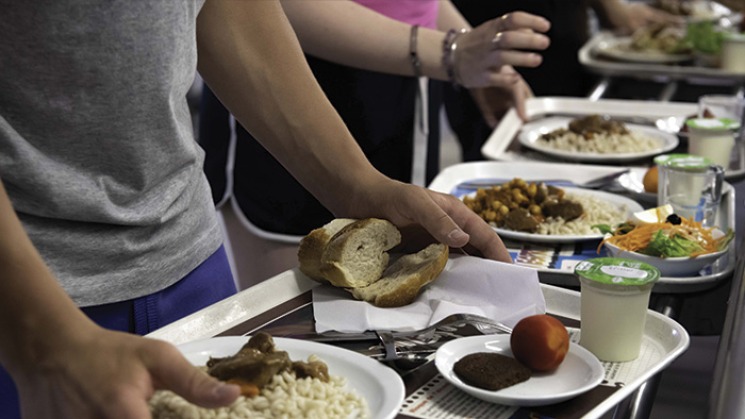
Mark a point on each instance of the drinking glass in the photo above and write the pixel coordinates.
(692, 185)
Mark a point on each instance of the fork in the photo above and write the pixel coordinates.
(406, 353)
(426, 341)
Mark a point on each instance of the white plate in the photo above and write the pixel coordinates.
(618, 49)
(532, 131)
(580, 372)
(617, 200)
(379, 385)
(708, 11)
(633, 182)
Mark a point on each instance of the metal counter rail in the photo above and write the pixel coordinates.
(727, 397)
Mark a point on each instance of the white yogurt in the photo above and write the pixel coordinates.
(614, 301)
(733, 53)
(712, 138)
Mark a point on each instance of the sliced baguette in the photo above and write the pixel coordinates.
(357, 255)
(402, 281)
(314, 244)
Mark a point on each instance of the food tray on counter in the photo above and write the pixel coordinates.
(282, 305)
(504, 143)
(555, 262)
(674, 70)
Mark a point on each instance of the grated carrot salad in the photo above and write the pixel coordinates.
(639, 238)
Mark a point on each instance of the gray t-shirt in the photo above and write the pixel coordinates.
(97, 150)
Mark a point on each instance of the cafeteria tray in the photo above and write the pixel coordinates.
(284, 303)
(503, 143)
(555, 262)
(680, 71)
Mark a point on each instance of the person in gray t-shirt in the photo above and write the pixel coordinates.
(103, 198)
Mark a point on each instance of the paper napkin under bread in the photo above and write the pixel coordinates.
(500, 291)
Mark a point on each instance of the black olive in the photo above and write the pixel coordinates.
(673, 219)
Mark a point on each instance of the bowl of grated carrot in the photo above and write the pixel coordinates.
(676, 246)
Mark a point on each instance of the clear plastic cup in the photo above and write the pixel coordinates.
(614, 301)
(692, 185)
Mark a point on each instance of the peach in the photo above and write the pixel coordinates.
(650, 180)
(540, 342)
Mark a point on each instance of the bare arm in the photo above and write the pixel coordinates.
(345, 32)
(66, 366)
(506, 87)
(627, 17)
(271, 91)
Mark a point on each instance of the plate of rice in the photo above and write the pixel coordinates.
(358, 386)
(595, 139)
(597, 208)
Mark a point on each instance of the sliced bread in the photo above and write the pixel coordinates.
(314, 244)
(402, 281)
(357, 255)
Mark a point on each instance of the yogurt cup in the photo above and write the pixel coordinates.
(614, 302)
(712, 138)
(733, 53)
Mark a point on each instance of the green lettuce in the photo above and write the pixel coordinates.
(704, 37)
(669, 247)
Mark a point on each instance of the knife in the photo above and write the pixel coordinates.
(330, 337)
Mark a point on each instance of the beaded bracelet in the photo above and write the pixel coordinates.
(415, 62)
(449, 46)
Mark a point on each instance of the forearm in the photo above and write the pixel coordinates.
(258, 71)
(450, 18)
(611, 13)
(347, 33)
(32, 300)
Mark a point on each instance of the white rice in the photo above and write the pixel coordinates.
(601, 143)
(285, 397)
(595, 212)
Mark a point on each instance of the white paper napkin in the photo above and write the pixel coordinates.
(499, 291)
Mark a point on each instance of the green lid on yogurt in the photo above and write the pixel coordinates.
(713, 124)
(617, 271)
(683, 161)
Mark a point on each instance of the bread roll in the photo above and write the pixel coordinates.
(403, 279)
(358, 253)
(314, 244)
(353, 254)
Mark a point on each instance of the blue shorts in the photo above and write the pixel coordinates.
(209, 283)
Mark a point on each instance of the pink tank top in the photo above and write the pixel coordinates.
(415, 12)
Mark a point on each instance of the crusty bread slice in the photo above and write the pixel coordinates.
(314, 244)
(357, 255)
(403, 279)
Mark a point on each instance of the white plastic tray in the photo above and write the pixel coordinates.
(280, 296)
(607, 67)
(503, 144)
(555, 263)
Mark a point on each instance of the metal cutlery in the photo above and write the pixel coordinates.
(408, 350)
(595, 183)
(446, 325)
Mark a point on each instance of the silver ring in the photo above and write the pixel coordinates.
(497, 38)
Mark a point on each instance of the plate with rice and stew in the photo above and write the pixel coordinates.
(282, 377)
(536, 212)
(595, 138)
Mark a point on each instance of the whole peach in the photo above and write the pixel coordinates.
(540, 342)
